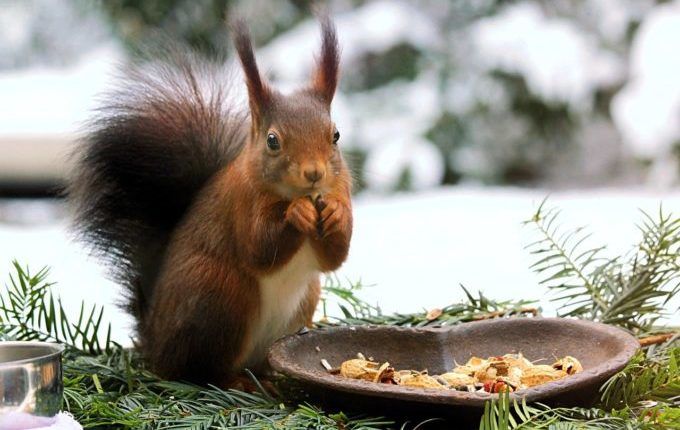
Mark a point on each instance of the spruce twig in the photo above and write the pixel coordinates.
(29, 311)
(629, 291)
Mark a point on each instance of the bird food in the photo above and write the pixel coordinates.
(510, 372)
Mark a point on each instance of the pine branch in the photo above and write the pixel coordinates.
(29, 311)
(647, 378)
(471, 309)
(115, 391)
(562, 256)
(347, 300)
(629, 291)
(503, 414)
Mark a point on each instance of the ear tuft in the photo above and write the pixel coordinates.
(325, 78)
(258, 91)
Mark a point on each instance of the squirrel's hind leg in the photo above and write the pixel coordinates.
(199, 322)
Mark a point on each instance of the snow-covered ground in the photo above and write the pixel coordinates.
(413, 248)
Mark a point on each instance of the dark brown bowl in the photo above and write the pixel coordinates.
(602, 350)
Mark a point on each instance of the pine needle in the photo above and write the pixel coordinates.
(629, 291)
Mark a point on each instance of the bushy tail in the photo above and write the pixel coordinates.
(166, 129)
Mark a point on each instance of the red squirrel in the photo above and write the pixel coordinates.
(218, 220)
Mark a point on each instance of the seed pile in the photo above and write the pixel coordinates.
(510, 372)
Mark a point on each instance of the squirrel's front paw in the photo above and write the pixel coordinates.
(334, 217)
(302, 215)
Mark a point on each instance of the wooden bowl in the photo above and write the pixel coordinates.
(602, 350)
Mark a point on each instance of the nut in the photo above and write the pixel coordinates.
(358, 368)
(456, 380)
(500, 365)
(433, 314)
(473, 365)
(540, 375)
(569, 364)
(517, 360)
(487, 373)
(509, 372)
(385, 374)
(497, 387)
(420, 380)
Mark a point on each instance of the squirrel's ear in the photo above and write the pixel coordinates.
(259, 94)
(325, 78)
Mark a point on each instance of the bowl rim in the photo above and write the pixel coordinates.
(56, 350)
(279, 352)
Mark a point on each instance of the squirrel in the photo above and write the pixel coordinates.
(217, 219)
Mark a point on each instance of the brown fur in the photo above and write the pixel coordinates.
(325, 79)
(258, 91)
(249, 221)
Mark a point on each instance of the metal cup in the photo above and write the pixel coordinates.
(30, 379)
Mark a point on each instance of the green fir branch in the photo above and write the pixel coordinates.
(504, 414)
(347, 300)
(629, 291)
(116, 391)
(649, 379)
(471, 309)
(29, 311)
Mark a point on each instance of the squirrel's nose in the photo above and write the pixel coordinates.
(314, 173)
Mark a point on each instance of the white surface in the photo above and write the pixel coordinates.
(22, 421)
(414, 248)
(371, 27)
(560, 61)
(647, 109)
(47, 101)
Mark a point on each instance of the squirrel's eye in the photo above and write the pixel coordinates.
(273, 142)
(336, 136)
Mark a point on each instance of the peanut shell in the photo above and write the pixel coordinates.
(540, 375)
(457, 379)
(359, 369)
(420, 380)
(569, 364)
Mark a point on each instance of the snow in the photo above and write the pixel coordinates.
(420, 157)
(414, 248)
(55, 101)
(612, 17)
(14, 24)
(390, 123)
(371, 27)
(647, 109)
(559, 60)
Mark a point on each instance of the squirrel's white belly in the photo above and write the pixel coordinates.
(281, 294)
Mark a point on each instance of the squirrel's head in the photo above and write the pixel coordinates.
(293, 140)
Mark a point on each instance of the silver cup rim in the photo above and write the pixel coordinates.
(56, 350)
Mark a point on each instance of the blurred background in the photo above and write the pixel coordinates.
(458, 118)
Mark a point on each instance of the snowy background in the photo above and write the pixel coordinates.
(458, 119)
(411, 250)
